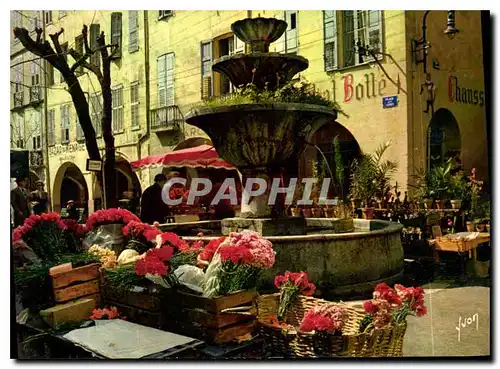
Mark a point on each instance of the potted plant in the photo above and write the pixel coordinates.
(422, 193)
(438, 182)
(370, 178)
(457, 190)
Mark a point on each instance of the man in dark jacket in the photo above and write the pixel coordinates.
(19, 199)
(153, 208)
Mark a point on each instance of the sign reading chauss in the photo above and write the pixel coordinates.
(463, 95)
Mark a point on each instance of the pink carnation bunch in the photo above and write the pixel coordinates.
(261, 250)
(328, 318)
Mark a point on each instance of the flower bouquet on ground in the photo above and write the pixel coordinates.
(391, 306)
(290, 286)
(237, 263)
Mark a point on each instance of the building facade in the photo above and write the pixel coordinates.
(164, 69)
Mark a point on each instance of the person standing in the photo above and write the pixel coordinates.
(72, 211)
(40, 198)
(153, 208)
(19, 199)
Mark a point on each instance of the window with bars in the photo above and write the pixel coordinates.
(48, 16)
(166, 64)
(18, 74)
(116, 34)
(79, 49)
(330, 39)
(18, 131)
(65, 123)
(96, 113)
(36, 130)
(94, 34)
(133, 31)
(117, 108)
(134, 104)
(51, 125)
(360, 29)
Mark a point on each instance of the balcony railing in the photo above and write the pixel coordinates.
(167, 118)
(35, 94)
(18, 99)
(36, 158)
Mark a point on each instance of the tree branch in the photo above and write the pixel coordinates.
(81, 61)
(41, 49)
(55, 40)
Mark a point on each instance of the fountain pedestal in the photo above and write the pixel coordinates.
(283, 226)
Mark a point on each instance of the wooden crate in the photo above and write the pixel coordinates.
(205, 319)
(82, 282)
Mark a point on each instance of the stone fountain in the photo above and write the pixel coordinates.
(266, 141)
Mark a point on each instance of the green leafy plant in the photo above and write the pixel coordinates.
(438, 180)
(123, 277)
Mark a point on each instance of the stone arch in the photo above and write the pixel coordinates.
(323, 138)
(69, 184)
(443, 138)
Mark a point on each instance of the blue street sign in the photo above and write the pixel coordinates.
(389, 101)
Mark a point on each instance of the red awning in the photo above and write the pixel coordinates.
(203, 156)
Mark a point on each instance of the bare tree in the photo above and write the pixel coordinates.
(59, 61)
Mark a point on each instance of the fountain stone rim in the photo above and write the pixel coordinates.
(260, 54)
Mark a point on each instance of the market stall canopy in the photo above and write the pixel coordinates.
(203, 156)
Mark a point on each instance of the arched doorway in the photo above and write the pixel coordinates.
(323, 139)
(443, 138)
(69, 184)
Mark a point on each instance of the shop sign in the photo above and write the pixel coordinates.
(463, 95)
(389, 101)
(94, 165)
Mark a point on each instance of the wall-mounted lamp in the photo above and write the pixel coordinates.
(423, 45)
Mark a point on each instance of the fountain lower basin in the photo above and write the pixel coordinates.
(340, 264)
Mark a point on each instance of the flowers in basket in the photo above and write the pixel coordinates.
(290, 286)
(154, 265)
(237, 263)
(110, 216)
(43, 233)
(327, 318)
(392, 306)
(140, 235)
(106, 314)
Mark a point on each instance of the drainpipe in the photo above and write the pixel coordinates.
(46, 123)
(145, 137)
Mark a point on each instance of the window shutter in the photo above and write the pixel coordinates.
(133, 26)
(50, 127)
(279, 45)
(162, 97)
(50, 73)
(79, 130)
(291, 31)
(94, 33)
(170, 79)
(348, 37)
(21, 130)
(375, 30)
(116, 33)
(63, 124)
(206, 69)
(330, 41)
(239, 46)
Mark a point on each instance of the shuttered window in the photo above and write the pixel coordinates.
(48, 16)
(133, 31)
(134, 104)
(65, 124)
(51, 125)
(94, 33)
(50, 73)
(206, 70)
(116, 33)
(292, 39)
(19, 130)
(330, 39)
(36, 129)
(117, 107)
(35, 73)
(79, 131)
(166, 64)
(96, 113)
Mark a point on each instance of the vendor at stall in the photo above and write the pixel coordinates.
(153, 208)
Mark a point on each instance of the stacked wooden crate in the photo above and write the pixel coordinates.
(208, 319)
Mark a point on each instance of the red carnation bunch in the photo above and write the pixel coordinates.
(291, 285)
(208, 252)
(110, 216)
(329, 318)
(235, 254)
(74, 227)
(140, 235)
(171, 239)
(155, 262)
(43, 233)
(106, 314)
(393, 305)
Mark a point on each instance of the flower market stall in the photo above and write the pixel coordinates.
(116, 267)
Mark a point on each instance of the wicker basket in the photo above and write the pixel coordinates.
(385, 342)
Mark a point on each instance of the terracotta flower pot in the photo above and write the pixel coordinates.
(440, 204)
(368, 213)
(295, 212)
(470, 227)
(456, 204)
(428, 204)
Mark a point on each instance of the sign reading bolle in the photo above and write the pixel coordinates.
(94, 165)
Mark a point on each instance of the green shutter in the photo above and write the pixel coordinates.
(133, 31)
(94, 33)
(162, 97)
(116, 33)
